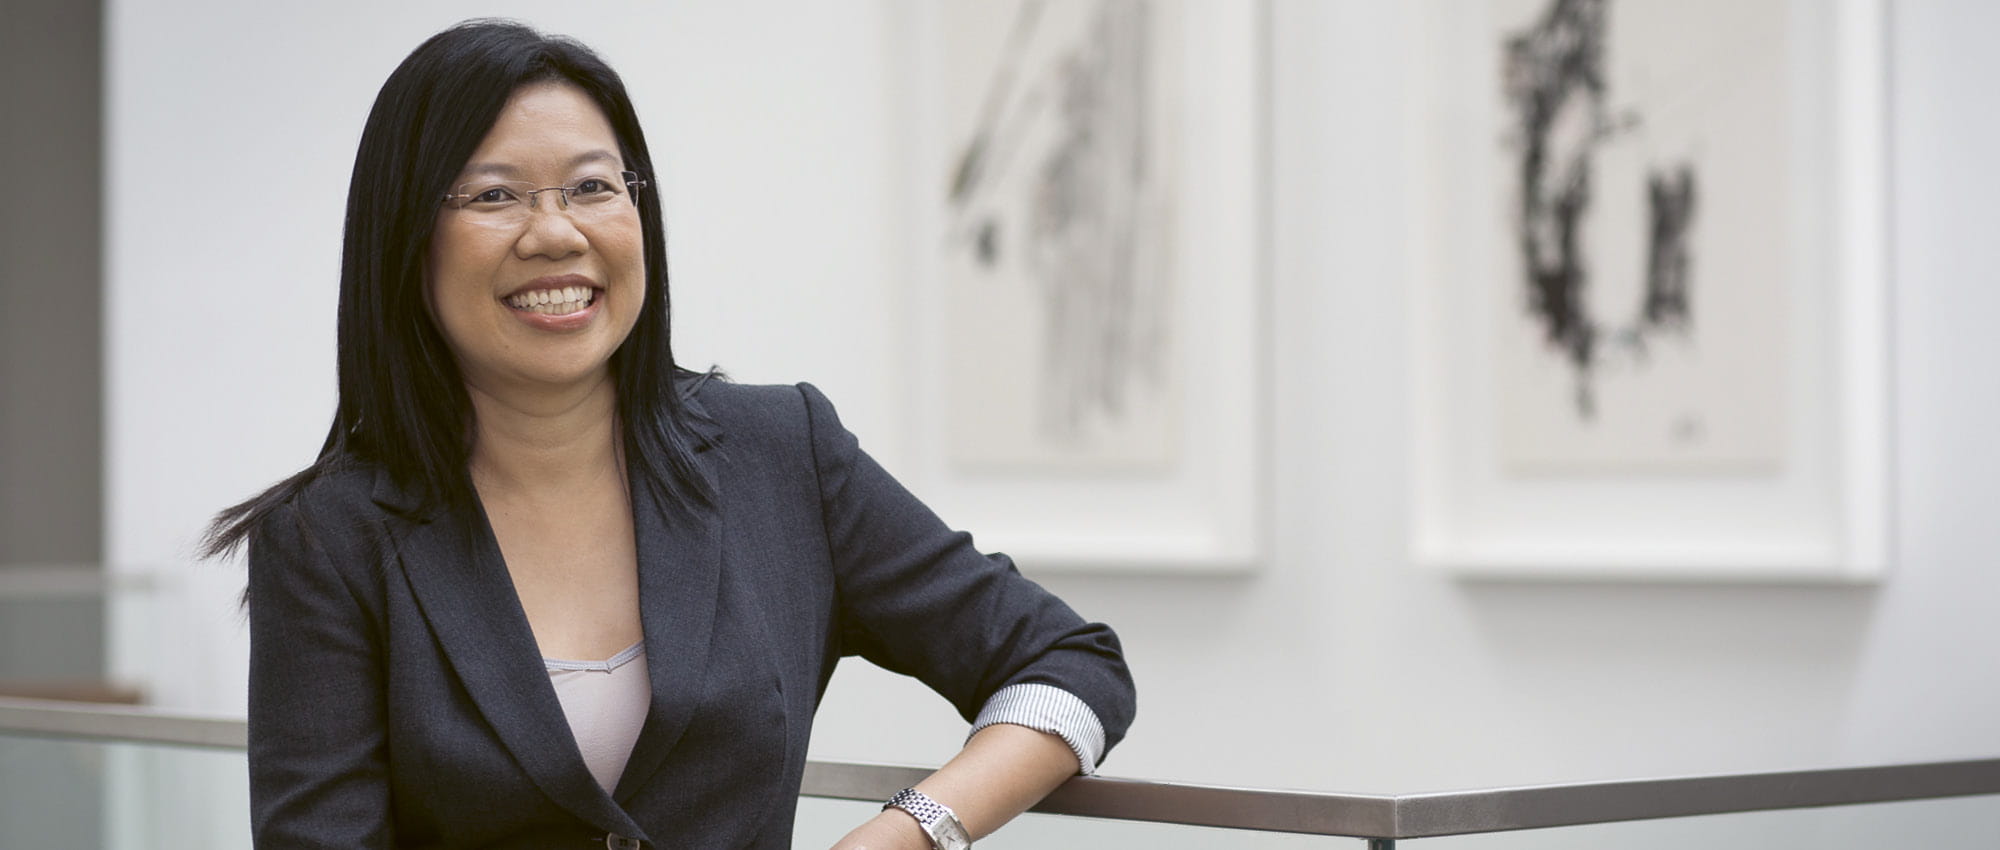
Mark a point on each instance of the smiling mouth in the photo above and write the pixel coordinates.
(554, 302)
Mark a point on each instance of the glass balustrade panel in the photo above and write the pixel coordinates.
(117, 796)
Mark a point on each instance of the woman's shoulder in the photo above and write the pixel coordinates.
(326, 534)
(757, 408)
(342, 493)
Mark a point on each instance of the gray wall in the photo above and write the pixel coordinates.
(51, 282)
(51, 390)
(51, 305)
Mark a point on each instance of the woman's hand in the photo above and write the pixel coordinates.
(889, 830)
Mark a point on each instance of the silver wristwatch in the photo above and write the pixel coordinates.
(937, 819)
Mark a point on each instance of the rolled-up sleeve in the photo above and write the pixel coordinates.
(1045, 708)
(918, 598)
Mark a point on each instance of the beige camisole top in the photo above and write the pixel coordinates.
(605, 703)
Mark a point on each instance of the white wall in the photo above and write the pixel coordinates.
(1338, 666)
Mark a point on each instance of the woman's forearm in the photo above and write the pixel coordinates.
(1002, 771)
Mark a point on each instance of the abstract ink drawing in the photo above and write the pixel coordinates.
(1643, 230)
(1556, 88)
(1055, 203)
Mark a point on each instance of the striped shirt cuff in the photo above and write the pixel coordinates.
(1047, 708)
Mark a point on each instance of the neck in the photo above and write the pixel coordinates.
(527, 442)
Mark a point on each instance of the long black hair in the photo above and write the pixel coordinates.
(403, 404)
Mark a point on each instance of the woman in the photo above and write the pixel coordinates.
(542, 588)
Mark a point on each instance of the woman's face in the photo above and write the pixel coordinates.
(531, 292)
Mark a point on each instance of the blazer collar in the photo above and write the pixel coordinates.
(680, 568)
(460, 580)
(461, 584)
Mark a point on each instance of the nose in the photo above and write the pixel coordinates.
(550, 232)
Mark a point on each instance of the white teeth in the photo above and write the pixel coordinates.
(568, 299)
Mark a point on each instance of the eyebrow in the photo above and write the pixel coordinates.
(506, 170)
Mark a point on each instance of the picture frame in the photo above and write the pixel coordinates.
(1739, 433)
(1088, 408)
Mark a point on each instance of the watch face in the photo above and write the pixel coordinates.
(947, 834)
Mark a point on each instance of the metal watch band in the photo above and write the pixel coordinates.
(937, 819)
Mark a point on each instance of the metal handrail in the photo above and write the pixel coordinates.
(68, 581)
(87, 721)
(1382, 818)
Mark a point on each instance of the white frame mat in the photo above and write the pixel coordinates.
(1814, 505)
(1180, 490)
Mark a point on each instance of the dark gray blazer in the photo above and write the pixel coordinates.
(397, 698)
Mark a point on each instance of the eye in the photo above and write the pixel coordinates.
(593, 187)
(492, 195)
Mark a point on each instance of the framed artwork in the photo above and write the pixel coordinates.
(1088, 280)
(1651, 325)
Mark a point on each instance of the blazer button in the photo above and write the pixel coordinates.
(619, 842)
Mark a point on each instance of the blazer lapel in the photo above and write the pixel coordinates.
(461, 583)
(680, 566)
